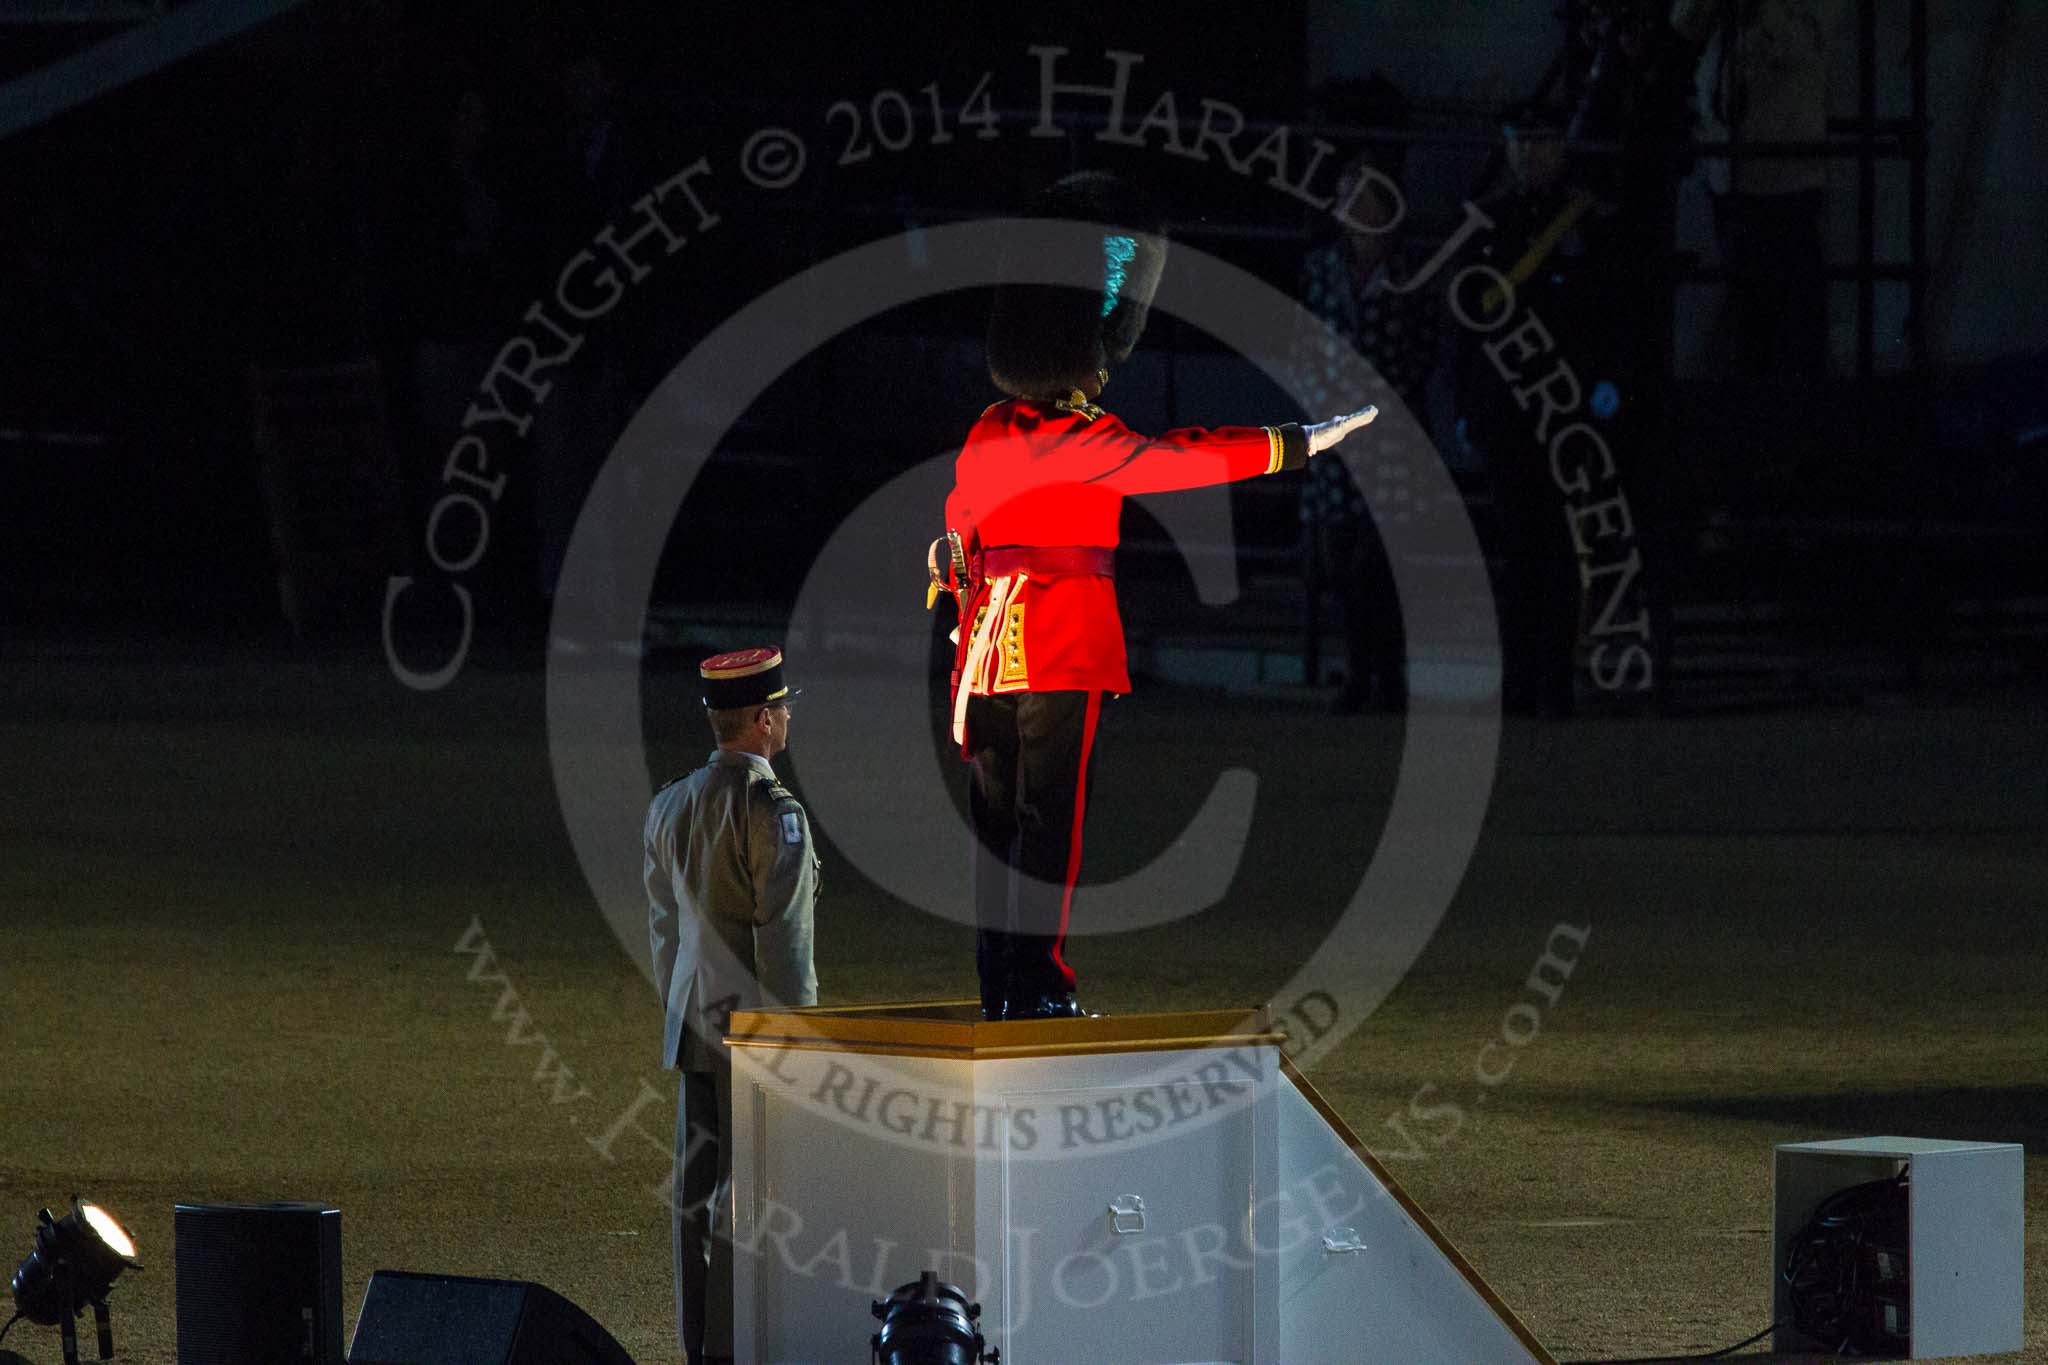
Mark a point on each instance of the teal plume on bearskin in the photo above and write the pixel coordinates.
(1044, 341)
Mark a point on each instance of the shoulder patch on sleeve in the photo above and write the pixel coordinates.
(792, 827)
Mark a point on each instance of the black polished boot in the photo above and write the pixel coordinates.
(1044, 1005)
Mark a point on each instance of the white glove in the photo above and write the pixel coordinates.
(1323, 435)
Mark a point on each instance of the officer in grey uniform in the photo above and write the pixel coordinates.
(731, 877)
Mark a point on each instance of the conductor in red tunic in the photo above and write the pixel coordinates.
(1031, 531)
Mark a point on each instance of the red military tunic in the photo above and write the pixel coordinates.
(1041, 487)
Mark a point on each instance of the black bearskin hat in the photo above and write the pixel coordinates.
(1044, 341)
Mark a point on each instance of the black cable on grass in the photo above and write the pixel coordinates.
(1661, 1360)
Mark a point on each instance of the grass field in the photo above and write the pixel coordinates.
(234, 885)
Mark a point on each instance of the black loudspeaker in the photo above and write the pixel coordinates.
(258, 1282)
(410, 1319)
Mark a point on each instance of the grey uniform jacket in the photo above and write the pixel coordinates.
(731, 876)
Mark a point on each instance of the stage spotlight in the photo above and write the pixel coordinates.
(75, 1262)
(928, 1323)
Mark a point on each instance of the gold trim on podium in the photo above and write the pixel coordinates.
(955, 1029)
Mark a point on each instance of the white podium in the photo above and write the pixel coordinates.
(1965, 1212)
(1132, 1190)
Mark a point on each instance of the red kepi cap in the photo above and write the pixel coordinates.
(745, 677)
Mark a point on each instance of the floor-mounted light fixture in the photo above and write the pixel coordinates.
(75, 1262)
(929, 1323)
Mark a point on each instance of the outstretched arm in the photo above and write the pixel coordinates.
(1194, 457)
(1105, 452)
(1110, 454)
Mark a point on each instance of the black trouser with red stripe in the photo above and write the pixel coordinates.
(1027, 792)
